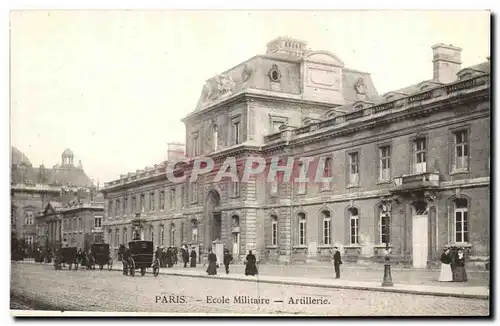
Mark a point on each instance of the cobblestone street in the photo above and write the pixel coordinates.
(110, 291)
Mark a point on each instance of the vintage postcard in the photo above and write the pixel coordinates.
(248, 163)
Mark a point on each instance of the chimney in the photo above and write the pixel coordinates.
(287, 46)
(175, 151)
(446, 62)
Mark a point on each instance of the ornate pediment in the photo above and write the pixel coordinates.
(324, 57)
(216, 88)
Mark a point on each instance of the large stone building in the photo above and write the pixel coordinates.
(32, 188)
(410, 167)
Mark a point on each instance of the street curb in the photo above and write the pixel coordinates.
(339, 286)
(320, 285)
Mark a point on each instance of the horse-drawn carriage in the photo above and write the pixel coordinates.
(139, 255)
(100, 255)
(66, 256)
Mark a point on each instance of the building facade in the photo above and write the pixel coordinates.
(409, 168)
(32, 188)
(78, 224)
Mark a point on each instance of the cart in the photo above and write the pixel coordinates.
(142, 257)
(101, 256)
(66, 256)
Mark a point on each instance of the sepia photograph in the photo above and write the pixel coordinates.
(205, 163)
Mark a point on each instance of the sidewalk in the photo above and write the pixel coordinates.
(350, 281)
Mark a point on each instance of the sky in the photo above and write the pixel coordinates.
(113, 85)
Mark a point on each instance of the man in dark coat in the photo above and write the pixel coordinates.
(337, 261)
(169, 257)
(158, 254)
(193, 258)
(185, 256)
(174, 255)
(227, 259)
(251, 264)
(212, 263)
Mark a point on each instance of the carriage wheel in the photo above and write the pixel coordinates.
(101, 267)
(110, 264)
(156, 267)
(132, 267)
(143, 271)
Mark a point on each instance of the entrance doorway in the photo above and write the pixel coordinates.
(212, 216)
(420, 232)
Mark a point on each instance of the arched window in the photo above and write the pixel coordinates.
(461, 220)
(194, 231)
(274, 230)
(302, 229)
(353, 225)
(326, 227)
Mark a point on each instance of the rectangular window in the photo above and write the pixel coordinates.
(215, 137)
(385, 163)
(354, 229)
(236, 132)
(461, 157)
(117, 237)
(195, 141)
(236, 188)
(162, 200)
(302, 232)
(461, 222)
(97, 222)
(274, 230)
(117, 207)
(125, 236)
(110, 208)
(152, 202)
(125, 205)
(162, 235)
(172, 198)
(420, 155)
(301, 186)
(327, 173)
(134, 205)
(353, 168)
(143, 203)
(327, 239)
(194, 192)
(384, 229)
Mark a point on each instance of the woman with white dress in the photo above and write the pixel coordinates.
(446, 274)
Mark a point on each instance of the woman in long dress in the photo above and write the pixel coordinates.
(193, 258)
(251, 267)
(445, 275)
(460, 275)
(212, 263)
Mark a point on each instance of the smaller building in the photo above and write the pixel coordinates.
(77, 224)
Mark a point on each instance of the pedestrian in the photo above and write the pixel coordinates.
(227, 259)
(185, 256)
(174, 255)
(453, 257)
(459, 274)
(193, 257)
(212, 263)
(169, 257)
(337, 261)
(446, 274)
(158, 254)
(251, 264)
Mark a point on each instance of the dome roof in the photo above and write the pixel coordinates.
(67, 152)
(18, 157)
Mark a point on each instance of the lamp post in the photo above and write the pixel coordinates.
(387, 265)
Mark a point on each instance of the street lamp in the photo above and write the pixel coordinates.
(387, 265)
